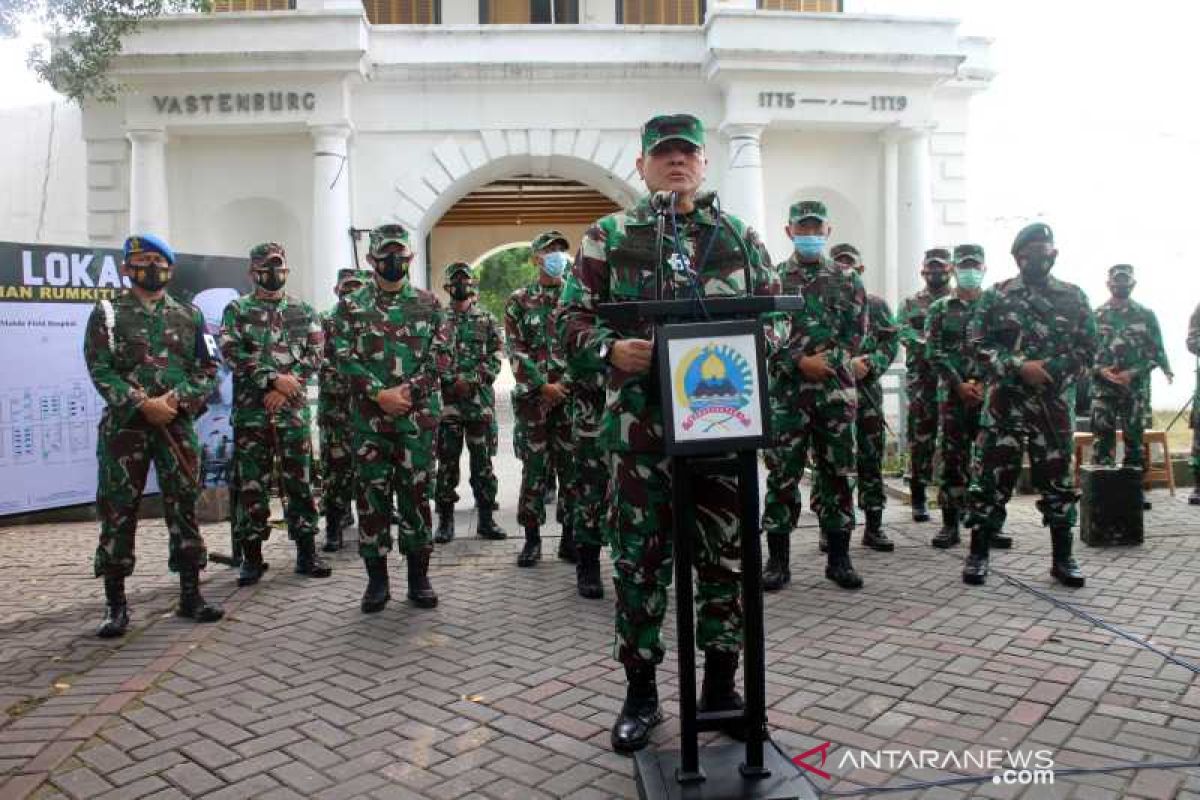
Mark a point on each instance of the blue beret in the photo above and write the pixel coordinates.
(148, 243)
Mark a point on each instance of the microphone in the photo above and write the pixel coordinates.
(705, 199)
(662, 201)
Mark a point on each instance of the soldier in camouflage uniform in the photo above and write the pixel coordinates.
(542, 435)
(922, 380)
(468, 407)
(960, 388)
(879, 349)
(272, 341)
(333, 418)
(1193, 346)
(392, 342)
(816, 408)
(1033, 335)
(626, 256)
(151, 361)
(1131, 348)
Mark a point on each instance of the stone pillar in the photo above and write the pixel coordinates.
(148, 183)
(891, 219)
(742, 191)
(332, 248)
(915, 206)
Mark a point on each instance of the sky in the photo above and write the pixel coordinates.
(1090, 125)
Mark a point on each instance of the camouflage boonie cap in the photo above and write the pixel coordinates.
(936, 254)
(544, 240)
(148, 243)
(844, 249)
(458, 268)
(666, 127)
(808, 209)
(1121, 270)
(1034, 232)
(267, 250)
(390, 233)
(968, 252)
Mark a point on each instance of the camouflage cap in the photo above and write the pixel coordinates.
(389, 233)
(544, 240)
(148, 243)
(968, 252)
(666, 127)
(267, 250)
(844, 249)
(350, 273)
(935, 254)
(808, 209)
(1034, 232)
(1125, 270)
(458, 268)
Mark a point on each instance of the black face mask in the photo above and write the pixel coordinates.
(350, 287)
(937, 280)
(1122, 291)
(150, 277)
(1036, 267)
(460, 291)
(392, 267)
(270, 279)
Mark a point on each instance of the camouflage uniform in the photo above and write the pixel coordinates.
(949, 354)
(1129, 340)
(588, 499)
(881, 346)
(1193, 346)
(1013, 323)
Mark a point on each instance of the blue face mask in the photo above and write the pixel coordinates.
(809, 246)
(555, 264)
(969, 278)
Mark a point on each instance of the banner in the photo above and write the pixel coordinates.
(49, 410)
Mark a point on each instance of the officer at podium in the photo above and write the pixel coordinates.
(623, 257)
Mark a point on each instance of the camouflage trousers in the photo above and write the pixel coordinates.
(337, 464)
(640, 525)
(922, 427)
(1125, 412)
(388, 465)
(1044, 427)
(870, 439)
(257, 448)
(542, 440)
(1195, 461)
(589, 494)
(124, 455)
(827, 430)
(481, 440)
(960, 429)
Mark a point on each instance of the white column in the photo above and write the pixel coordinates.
(331, 245)
(148, 183)
(916, 201)
(742, 191)
(891, 219)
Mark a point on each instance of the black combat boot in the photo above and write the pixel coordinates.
(445, 529)
(777, 574)
(308, 562)
(379, 591)
(920, 513)
(975, 568)
(566, 544)
(839, 568)
(1063, 566)
(116, 611)
(822, 542)
(420, 591)
(488, 529)
(335, 523)
(873, 534)
(1194, 497)
(587, 572)
(191, 604)
(948, 536)
(718, 691)
(640, 713)
(1001, 541)
(531, 553)
(253, 566)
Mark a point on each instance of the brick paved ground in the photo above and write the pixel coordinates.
(507, 689)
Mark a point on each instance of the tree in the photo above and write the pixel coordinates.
(88, 36)
(501, 273)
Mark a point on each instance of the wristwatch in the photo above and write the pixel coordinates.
(606, 352)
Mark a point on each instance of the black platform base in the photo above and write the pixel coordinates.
(655, 774)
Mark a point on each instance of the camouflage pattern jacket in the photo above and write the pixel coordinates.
(1014, 323)
(386, 339)
(142, 352)
(881, 344)
(1129, 339)
(619, 261)
(534, 349)
(946, 347)
(262, 339)
(914, 311)
(476, 361)
(333, 399)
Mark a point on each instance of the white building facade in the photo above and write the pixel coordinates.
(298, 125)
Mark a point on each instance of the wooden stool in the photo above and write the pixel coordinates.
(1161, 474)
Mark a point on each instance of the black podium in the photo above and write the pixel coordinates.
(753, 769)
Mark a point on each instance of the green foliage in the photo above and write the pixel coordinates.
(87, 36)
(500, 274)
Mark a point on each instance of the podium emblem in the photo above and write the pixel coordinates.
(714, 382)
